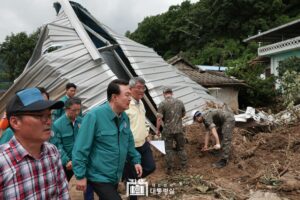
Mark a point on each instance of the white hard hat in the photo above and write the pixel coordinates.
(195, 113)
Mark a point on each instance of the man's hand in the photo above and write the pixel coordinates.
(148, 139)
(69, 165)
(138, 169)
(205, 148)
(158, 133)
(81, 184)
(158, 124)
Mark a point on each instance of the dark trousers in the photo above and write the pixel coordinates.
(89, 193)
(106, 191)
(148, 164)
(69, 173)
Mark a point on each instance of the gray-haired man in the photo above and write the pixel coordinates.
(137, 118)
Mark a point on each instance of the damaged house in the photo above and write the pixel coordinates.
(219, 85)
(77, 48)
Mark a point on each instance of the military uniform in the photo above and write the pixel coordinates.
(172, 110)
(224, 122)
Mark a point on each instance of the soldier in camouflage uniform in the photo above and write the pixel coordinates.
(171, 111)
(223, 123)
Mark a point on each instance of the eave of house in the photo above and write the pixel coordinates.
(279, 47)
(277, 34)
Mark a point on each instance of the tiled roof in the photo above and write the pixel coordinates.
(204, 78)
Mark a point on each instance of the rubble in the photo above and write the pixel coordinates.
(260, 195)
(284, 117)
(262, 166)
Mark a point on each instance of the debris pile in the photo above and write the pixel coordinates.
(264, 165)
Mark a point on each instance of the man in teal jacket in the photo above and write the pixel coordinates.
(103, 142)
(65, 133)
(6, 135)
(70, 92)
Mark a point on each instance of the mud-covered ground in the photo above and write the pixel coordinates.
(263, 161)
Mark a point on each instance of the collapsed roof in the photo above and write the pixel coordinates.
(205, 78)
(76, 48)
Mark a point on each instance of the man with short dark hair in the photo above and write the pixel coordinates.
(171, 111)
(103, 143)
(8, 132)
(31, 167)
(70, 92)
(65, 134)
(65, 131)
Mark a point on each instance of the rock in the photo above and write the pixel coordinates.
(202, 188)
(261, 195)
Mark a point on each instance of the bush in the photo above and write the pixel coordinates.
(289, 79)
(261, 92)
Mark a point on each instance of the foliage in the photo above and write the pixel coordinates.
(290, 84)
(15, 52)
(261, 92)
(290, 64)
(211, 32)
(208, 30)
(289, 77)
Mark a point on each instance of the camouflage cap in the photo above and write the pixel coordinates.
(167, 89)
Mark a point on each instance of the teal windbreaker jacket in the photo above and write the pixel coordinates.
(102, 145)
(65, 133)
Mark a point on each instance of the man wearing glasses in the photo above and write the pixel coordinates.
(65, 133)
(31, 167)
(137, 118)
(8, 133)
(70, 93)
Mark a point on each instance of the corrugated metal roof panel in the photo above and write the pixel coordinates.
(75, 60)
(69, 63)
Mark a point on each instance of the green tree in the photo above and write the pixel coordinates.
(4, 82)
(261, 92)
(290, 64)
(290, 84)
(15, 52)
(212, 31)
(289, 79)
(201, 30)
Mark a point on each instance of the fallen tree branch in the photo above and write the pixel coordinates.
(255, 177)
(285, 169)
(222, 192)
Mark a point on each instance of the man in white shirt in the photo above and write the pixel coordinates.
(137, 118)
